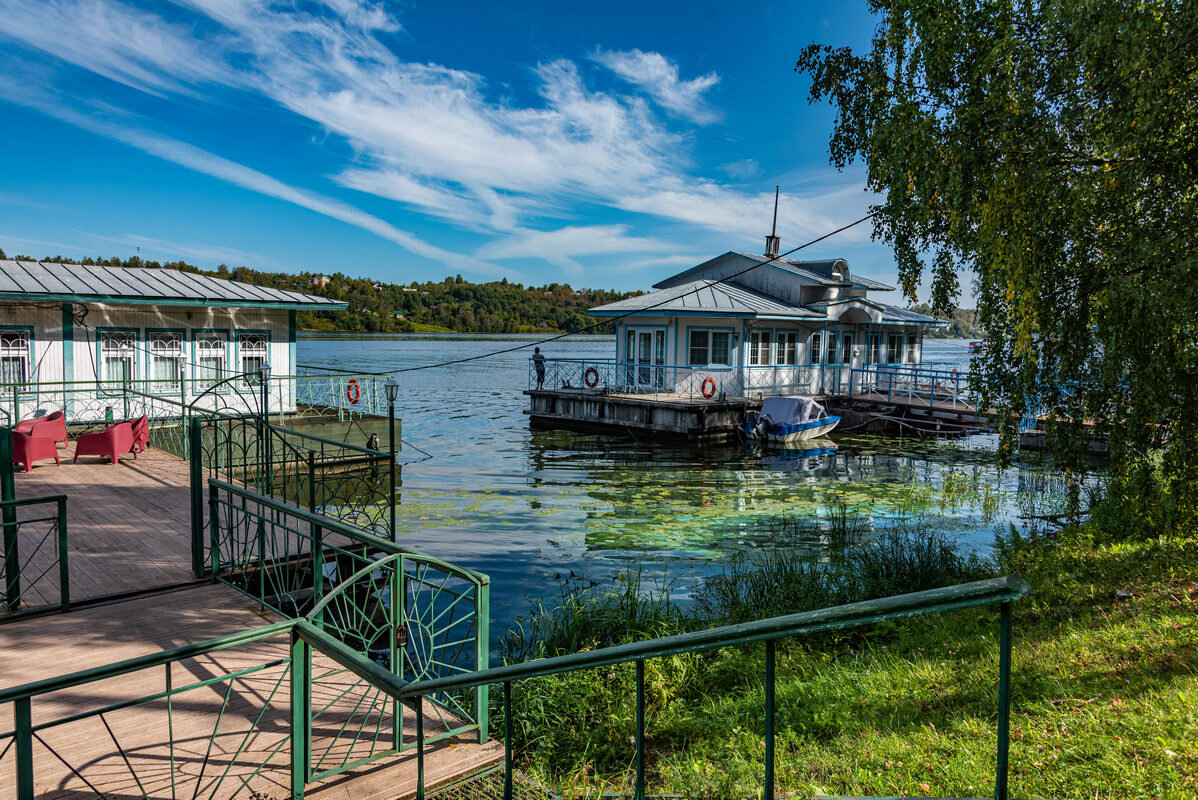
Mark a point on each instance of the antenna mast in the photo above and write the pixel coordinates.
(772, 243)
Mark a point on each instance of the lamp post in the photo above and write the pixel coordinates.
(392, 388)
(264, 439)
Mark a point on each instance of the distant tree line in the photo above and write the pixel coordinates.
(962, 323)
(452, 304)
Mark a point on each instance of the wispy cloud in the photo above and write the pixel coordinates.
(438, 140)
(658, 77)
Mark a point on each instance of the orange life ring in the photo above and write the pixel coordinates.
(591, 377)
(708, 387)
(353, 391)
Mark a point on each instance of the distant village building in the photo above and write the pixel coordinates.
(399, 315)
(157, 331)
(320, 280)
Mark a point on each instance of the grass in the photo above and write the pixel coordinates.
(1104, 692)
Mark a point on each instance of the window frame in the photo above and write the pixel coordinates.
(756, 357)
(151, 382)
(780, 337)
(30, 355)
(709, 348)
(198, 381)
(134, 357)
(239, 357)
(816, 344)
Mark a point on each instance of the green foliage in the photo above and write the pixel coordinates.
(1051, 148)
(962, 323)
(1103, 688)
(450, 305)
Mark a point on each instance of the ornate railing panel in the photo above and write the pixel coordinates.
(34, 555)
(417, 616)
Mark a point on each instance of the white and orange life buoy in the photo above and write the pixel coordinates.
(591, 377)
(708, 388)
(353, 391)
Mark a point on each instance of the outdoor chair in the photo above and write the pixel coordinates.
(110, 442)
(27, 448)
(52, 426)
(141, 434)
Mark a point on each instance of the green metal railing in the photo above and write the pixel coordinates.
(33, 552)
(339, 480)
(415, 615)
(1000, 591)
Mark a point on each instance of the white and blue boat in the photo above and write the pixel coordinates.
(789, 419)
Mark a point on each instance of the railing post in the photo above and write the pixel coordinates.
(769, 720)
(301, 697)
(639, 791)
(64, 567)
(214, 533)
(195, 457)
(419, 747)
(23, 719)
(1004, 701)
(482, 655)
(507, 740)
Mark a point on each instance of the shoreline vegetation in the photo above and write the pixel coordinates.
(452, 305)
(1104, 682)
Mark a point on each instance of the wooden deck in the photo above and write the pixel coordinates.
(128, 525)
(225, 737)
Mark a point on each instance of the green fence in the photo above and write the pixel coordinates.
(33, 553)
(417, 616)
(998, 591)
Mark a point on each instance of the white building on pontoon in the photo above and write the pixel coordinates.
(72, 335)
(741, 325)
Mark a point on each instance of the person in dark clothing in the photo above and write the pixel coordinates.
(538, 362)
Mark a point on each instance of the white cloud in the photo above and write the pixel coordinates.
(741, 170)
(658, 76)
(431, 137)
(563, 245)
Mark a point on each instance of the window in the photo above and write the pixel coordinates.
(211, 356)
(710, 347)
(788, 347)
(846, 349)
(15, 356)
(894, 348)
(816, 347)
(166, 360)
(831, 359)
(118, 357)
(759, 348)
(253, 349)
(912, 349)
(875, 344)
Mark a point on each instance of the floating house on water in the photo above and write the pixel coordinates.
(76, 338)
(697, 353)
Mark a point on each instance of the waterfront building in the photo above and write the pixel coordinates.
(71, 335)
(758, 324)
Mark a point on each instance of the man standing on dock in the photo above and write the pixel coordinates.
(538, 362)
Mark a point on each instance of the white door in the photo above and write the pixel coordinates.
(646, 358)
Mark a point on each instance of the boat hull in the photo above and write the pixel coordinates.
(799, 432)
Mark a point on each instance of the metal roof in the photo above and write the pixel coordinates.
(706, 297)
(819, 271)
(896, 314)
(86, 283)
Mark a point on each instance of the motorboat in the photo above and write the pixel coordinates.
(789, 418)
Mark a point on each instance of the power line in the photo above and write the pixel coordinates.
(696, 290)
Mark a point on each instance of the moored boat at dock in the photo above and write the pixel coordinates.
(789, 419)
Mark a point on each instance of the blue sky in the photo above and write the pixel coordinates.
(601, 144)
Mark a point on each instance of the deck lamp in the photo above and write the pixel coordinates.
(391, 386)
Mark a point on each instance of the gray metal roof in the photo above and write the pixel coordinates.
(706, 297)
(896, 314)
(85, 283)
(819, 271)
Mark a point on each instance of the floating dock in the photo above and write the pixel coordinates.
(660, 414)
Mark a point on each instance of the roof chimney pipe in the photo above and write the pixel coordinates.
(772, 243)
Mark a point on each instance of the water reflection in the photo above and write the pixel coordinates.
(525, 505)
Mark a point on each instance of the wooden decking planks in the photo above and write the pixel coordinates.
(225, 739)
(128, 525)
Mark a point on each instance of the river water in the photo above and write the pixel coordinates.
(531, 508)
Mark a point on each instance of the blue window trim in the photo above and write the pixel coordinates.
(778, 350)
(237, 346)
(137, 345)
(731, 348)
(148, 335)
(31, 378)
(769, 355)
(196, 388)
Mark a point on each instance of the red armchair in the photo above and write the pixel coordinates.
(110, 442)
(52, 426)
(27, 448)
(141, 434)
